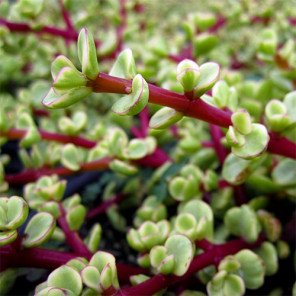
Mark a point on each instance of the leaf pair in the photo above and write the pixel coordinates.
(70, 85)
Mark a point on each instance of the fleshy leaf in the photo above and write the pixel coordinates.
(256, 142)
(164, 118)
(87, 54)
(58, 63)
(183, 250)
(284, 173)
(32, 137)
(38, 230)
(209, 75)
(290, 102)
(267, 252)
(251, 270)
(234, 138)
(204, 43)
(75, 217)
(70, 157)
(221, 93)
(135, 102)
(66, 277)
(124, 66)
(67, 79)
(188, 74)
(55, 101)
(242, 221)
(91, 277)
(6, 237)
(136, 149)
(242, 122)
(94, 237)
(122, 167)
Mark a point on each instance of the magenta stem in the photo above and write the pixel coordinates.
(212, 256)
(31, 175)
(16, 134)
(144, 119)
(217, 135)
(51, 259)
(104, 206)
(72, 237)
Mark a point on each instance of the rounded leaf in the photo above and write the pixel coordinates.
(209, 75)
(241, 121)
(124, 66)
(182, 248)
(256, 142)
(58, 63)
(38, 230)
(284, 173)
(135, 102)
(267, 252)
(251, 270)
(6, 237)
(66, 277)
(137, 149)
(188, 74)
(75, 217)
(70, 157)
(221, 93)
(17, 212)
(91, 277)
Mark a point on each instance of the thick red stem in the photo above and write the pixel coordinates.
(16, 134)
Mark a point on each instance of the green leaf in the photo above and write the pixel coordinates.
(70, 157)
(164, 118)
(251, 270)
(137, 149)
(122, 167)
(124, 66)
(87, 54)
(271, 225)
(209, 75)
(32, 137)
(135, 102)
(66, 277)
(221, 93)
(256, 142)
(68, 78)
(55, 101)
(267, 252)
(75, 217)
(242, 221)
(203, 215)
(186, 224)
(204, 21)
(17, 212)
(204, 43)
(91, 277)
(235, 169)
(94, 237)
(183, 250)
(6, 237)
(38, 230)
(290, 103)
(58, 64)
(77, 263)
(284, 174)
(234, 138)
(188, 74)
(229, 264)
(241, 121)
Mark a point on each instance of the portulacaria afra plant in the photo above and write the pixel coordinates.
(158, 159)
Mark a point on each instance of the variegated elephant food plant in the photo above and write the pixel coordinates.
(147, 147)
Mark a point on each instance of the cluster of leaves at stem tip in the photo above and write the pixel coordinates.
(207, 169)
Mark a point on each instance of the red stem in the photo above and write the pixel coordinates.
(192, 108)
(16, 134)
(104, 206)
(51, 259)
(32, 175)
(212, 256)
(72, 237)
(217, 135)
